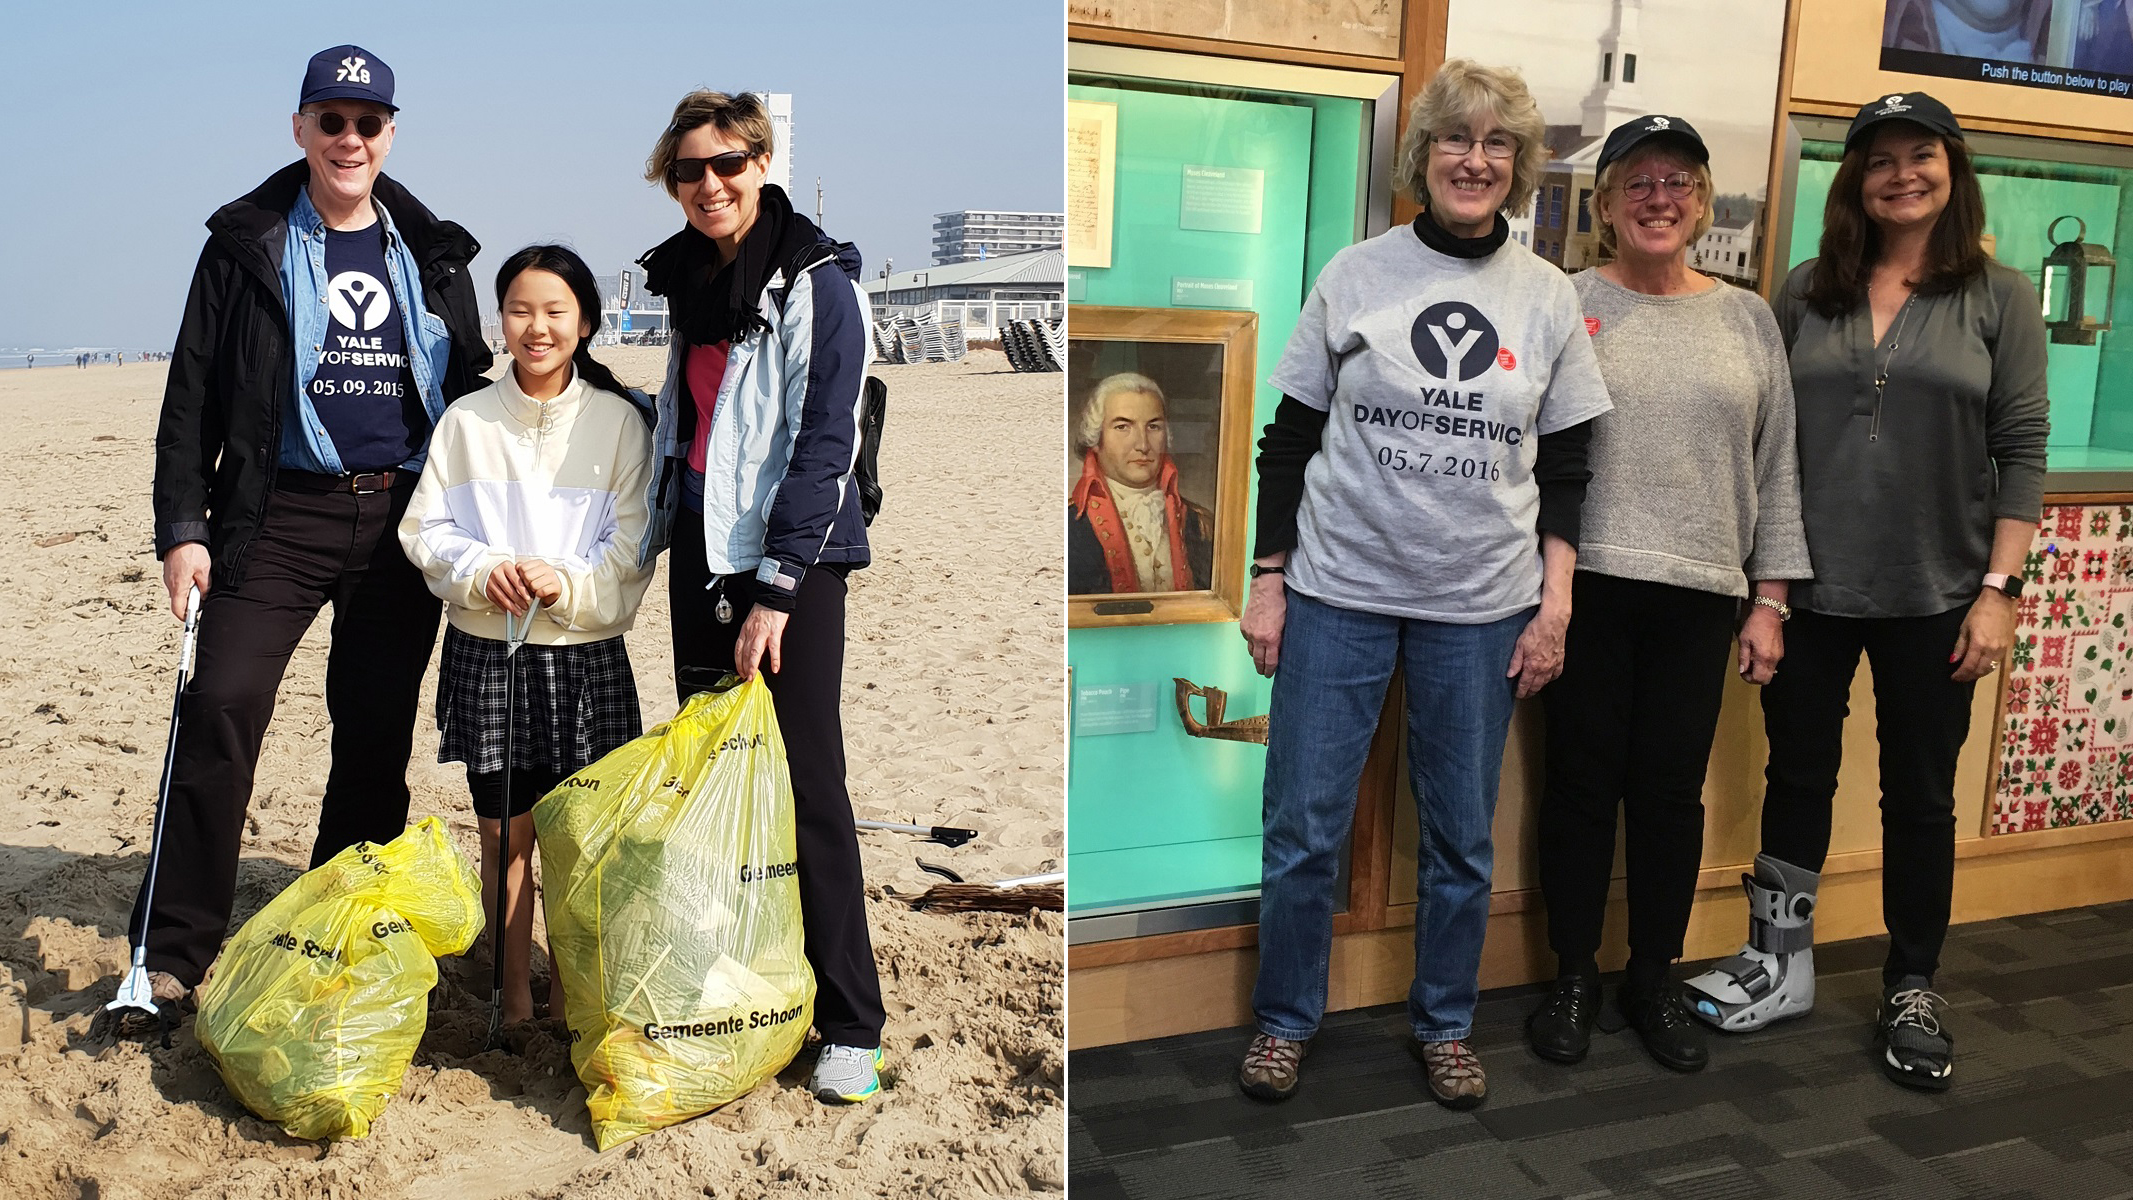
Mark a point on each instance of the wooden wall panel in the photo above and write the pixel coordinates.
(1363, 27)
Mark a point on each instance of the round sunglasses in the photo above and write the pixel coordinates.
(725, 166)
(332, 124)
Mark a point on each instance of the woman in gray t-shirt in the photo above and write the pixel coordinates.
(1918, 370)
(1404, 507)
(1694, 502)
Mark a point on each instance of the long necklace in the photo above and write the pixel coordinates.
(1881, 373)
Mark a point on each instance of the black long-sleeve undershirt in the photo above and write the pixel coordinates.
(1561, 467)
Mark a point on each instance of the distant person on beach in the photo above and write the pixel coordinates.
(757, 436)
(1128, 527)
(379, 331)
(558, 453)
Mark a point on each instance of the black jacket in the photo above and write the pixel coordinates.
(234, 365)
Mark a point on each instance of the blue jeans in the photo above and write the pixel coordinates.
(1328, 692)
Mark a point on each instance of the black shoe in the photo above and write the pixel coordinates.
(1664, 1025)
(1560, 1030)
(1917, 1050)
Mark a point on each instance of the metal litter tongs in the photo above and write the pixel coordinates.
(516, 630)
(135, 992)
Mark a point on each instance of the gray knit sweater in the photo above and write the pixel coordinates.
(1695, 474)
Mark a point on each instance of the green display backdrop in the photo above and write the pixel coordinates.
(1160, 817)
(2022, 198)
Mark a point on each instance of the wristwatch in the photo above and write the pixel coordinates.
(1258, 570)
(2011, 585)
(1782, 609)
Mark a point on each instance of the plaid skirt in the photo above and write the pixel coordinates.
(574, 704)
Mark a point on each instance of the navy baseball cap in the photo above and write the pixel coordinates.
(1915, 107)
(1630, 134)
(347, 73)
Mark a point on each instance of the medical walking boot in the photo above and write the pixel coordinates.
(1773, 977)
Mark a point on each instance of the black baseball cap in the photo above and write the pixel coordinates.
(1630, 134)
(347, 73)
(1915, 107)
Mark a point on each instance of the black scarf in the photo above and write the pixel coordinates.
(714, 304)
(1437, 238)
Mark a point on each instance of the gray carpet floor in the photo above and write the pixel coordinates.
(2042, 1107)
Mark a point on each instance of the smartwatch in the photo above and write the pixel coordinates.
(2011, 585)
(1258, 570)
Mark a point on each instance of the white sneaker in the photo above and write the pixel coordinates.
(850, 1074)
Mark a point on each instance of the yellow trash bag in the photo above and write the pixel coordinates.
(673, 903)
(319, 1001)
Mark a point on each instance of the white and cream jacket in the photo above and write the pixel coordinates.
(510, 477)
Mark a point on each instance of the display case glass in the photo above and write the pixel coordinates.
(1209, 185)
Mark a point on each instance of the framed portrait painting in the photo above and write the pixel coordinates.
(1159, 428)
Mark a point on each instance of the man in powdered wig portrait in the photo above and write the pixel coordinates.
(1128, 528)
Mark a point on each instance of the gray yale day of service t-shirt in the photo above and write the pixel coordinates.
(1437, 374)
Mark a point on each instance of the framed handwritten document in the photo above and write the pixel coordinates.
(1092, 151)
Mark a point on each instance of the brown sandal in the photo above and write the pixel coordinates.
(1454, 1074)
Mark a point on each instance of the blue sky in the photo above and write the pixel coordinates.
(129, 123)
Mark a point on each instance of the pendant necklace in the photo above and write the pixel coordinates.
(1881, 375)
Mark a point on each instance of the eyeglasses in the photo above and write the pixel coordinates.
(1639, 187)
(1459, 145)
(725, 166)
(332, 124)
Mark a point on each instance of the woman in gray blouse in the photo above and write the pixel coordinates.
(1918, 367)
(1694, 504)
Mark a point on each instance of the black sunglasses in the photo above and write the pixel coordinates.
(725, 166)
(368, 126)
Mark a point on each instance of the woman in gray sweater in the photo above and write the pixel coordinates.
(1694, 504)
(1918, 364)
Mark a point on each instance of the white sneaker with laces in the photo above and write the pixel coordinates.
(847, 1074)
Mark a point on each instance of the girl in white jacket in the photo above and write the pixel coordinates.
(534, 490)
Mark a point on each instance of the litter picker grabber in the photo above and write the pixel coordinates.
(516, 630)
(944, 834)
(135, 993)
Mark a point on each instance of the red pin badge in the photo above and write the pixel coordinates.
(1507, 360)
(1592, 327)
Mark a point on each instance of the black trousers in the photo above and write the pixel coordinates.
(1630, 723)
(807, 692)
(311, 550)
(1922, 716)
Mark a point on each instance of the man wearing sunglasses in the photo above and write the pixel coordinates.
(330, 321)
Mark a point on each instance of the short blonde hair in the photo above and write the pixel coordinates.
(1610, 179)
(1461, 90)
(739, 116)
(1091, 428)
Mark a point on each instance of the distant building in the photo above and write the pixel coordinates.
(1728, 250)
(982, 295)
(972, 234)
(779, 105)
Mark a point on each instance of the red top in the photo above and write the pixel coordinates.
(705, 369)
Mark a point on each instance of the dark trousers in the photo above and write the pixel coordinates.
(311, 550)
(807, 693)
(1923, 717)
(1630, 723)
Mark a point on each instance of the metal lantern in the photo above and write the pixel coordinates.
(2078, 278)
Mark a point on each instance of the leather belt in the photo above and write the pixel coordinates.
(364, 484)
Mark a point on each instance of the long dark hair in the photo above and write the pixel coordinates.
(564, 263)
(1851, 243)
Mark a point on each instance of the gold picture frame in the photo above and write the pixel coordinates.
(1203, 365)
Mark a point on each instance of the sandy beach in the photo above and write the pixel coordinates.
(953, 715)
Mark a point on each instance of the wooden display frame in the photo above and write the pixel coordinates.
(1234, 335)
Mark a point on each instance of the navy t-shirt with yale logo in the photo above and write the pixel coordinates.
(364, 391)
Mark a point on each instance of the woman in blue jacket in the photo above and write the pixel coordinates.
(756, 440)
